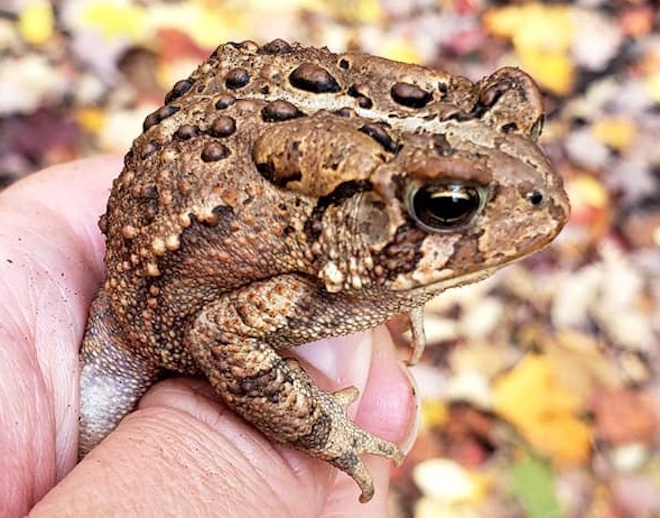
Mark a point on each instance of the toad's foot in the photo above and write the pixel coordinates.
(235, 351)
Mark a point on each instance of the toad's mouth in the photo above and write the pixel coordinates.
(455, 281)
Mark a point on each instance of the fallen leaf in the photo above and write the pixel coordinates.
(625, 416)
(36, 23)
(533, 486)
(544, 412)
(542, 36)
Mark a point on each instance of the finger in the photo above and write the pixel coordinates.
(390, 406)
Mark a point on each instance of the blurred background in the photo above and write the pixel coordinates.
(541, 393)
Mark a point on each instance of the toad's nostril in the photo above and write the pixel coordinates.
(535, 197)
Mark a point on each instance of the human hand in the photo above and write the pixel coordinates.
(182, 452)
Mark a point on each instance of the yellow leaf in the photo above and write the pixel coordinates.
(434, 413)
(534, 25)
(91, 119)
(551, 69)
(544, 412)
(206, 26)
(401, 51)
(358, 11)
(541, 36)
(115, 19)
(586, 190)
(35, 23)
(265, 5)
(653, 86)
(617, 133)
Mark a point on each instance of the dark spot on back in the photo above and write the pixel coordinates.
(222, 212)
(222, 126)
(344, 112)
(179, 88)
(277, 111)
(412, 96)
(277, 46)
(237, 78)
(224, 101)
(460, 116)
(150, 192)
(313, 78)
(148, 201)
(149, 149)
(159, 115)
(363, 101)
(215, 151)
(186, 132)
(378, 133)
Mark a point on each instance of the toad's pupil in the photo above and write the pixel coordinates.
(445, 207)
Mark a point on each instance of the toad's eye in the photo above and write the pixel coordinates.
(445, 207)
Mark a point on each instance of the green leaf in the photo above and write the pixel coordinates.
(533, 485)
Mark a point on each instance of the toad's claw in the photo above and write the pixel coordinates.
(418, 341)
(348, 443)
(346, 396)
(351, 462)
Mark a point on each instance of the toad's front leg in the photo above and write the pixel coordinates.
(235, 341)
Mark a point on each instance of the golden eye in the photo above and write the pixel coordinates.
(445, 207)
